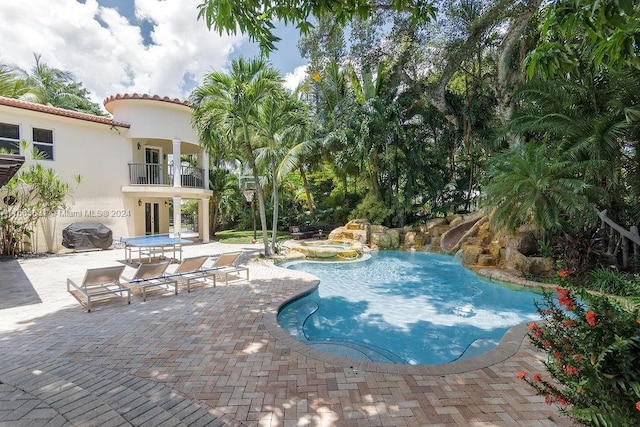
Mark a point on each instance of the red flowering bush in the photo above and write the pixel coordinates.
(593, 358)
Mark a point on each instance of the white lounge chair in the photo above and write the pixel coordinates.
(226, 265)
(152, 275)
(191, 270)
(101, 281)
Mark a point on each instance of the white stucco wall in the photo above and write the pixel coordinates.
(99, 154)
(154, 119)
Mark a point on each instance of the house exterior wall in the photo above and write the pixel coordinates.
(151, 119)
(101, 153)
(94, 151)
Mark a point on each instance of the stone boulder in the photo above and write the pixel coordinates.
(357, 230)
(471, 254)
(524, 242)
(416, 239)
(455, 221)
(515, 260)
(542, 266)
(384, 238)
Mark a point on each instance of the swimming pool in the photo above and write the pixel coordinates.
(404, 308)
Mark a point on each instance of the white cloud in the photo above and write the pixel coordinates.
(293, 79)
(106, 52)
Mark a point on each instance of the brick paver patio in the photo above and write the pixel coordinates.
(215, 356)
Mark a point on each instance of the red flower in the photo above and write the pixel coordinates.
(571, 370)
(638, 321)
(532, 326)
(563, 273)
(537, 378)
(563, 400)
(638, 405)
(548, 400)
(546, 344)
(591, 318)
(557, 354)
(521, 375)
(564, 298)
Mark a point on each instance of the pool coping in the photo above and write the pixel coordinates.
(509, 345)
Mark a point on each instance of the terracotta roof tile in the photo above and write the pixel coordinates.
(145, 96)
(47, 109)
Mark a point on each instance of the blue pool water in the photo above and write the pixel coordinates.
(406, 308)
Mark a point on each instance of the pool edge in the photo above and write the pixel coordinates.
(509, 345)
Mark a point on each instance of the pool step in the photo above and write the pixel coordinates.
(293, 319)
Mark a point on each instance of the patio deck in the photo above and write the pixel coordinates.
(210, 358)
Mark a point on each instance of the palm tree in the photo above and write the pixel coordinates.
(11, 85)
(55, 87)
(228, 104)
(530, 186)
(278, 126)
(226, 196)
(592, 121)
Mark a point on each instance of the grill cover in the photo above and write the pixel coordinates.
(87, 235)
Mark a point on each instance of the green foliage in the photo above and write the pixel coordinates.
(611, 281)
(589, 34)
(545, 249)
(593, 348)
(32, 194)
(226, 106)
(372, 209)
(528, 185)
(56, 87)
(243, 236)
(256, 18)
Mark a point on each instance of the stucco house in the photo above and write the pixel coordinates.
(129, 163)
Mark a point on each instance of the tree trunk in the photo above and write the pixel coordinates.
(274, 233)
(256, 177)
(345, 190)
(305, 184)
(215, 205)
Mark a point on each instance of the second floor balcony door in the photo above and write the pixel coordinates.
(152, 165)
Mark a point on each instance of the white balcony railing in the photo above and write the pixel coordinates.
(156, 174)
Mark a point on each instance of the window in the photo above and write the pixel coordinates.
(10, 138)
(43, 142)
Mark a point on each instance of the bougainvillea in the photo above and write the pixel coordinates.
(593, 358)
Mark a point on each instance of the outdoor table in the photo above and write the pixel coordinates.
(153, 246)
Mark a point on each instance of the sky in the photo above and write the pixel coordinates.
(155, 47)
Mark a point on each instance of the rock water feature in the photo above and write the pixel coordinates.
(329, 249)
(470, 237)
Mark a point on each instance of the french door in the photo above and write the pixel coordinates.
(151, 218)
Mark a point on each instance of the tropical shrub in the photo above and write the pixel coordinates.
(593, 357)
(372, 209)
(31, 195)
(611, 281)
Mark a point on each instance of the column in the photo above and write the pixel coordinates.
(203, 216)
(177, 216)
(205, 169)
(177, 168)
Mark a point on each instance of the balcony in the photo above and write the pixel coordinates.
(153, 174)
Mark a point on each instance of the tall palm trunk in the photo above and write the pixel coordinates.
(256, 177)
(305, 184)
(274, 177)
(214, 208)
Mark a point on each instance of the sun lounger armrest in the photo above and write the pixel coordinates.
(72, 283)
